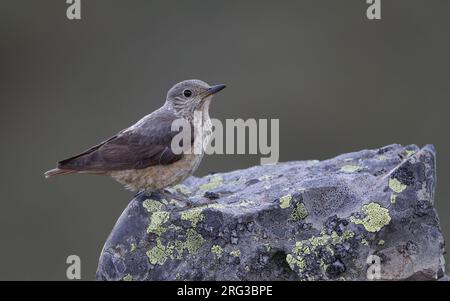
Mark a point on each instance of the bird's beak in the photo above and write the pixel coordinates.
(214, 89)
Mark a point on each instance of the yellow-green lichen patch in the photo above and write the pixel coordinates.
(376, 217)
(194, 241)
(381, 242)
(216, 249)
(408, 153)
(179, 249)
(291, 261)
(285, 201)
(127, 277)
(215, 182)
(337, 239)
(133, 248)
(393, 198)
(347, 235)
(235, 253)
(396, 185)
(157, 219)
(310, 246)
(175, 250)
(382, 158)
(364, 242)
(321, 240)
(193, 215)
(159, 253)
(152, 205)
(300, 212)
(350, 168)
(295, 261)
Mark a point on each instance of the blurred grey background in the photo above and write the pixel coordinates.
(337, 81)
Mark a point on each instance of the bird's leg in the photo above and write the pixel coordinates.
(140, 193)
(212, 197)
(178, 200)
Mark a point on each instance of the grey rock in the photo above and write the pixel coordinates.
(363, 214)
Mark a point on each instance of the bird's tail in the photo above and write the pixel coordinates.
(58, 172)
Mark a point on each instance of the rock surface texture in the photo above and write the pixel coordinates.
(362, 215)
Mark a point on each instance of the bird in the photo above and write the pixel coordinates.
(141, 157)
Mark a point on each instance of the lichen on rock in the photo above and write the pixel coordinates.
(396, 185)
(299, 212)
(153, 205)
(285, 201)
(159, 253)
(216, 249)
(305, 220)
(350, 168)
(376, 217)
(214, 182)
(235, 253)
(157, 220)
(193, 215)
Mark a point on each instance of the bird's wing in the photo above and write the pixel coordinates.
(146, 145)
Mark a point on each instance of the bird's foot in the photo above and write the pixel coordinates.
(211, 196)
(140, 193)
(176, 200)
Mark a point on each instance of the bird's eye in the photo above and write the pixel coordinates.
(187, 93)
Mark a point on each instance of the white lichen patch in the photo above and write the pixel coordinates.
(235, 253)
(265, 178)
(350, 168)
(245, 203)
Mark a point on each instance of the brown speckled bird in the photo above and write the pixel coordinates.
(140, 157)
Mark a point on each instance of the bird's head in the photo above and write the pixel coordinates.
(191, 95)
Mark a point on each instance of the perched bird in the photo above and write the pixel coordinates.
(141, 157)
